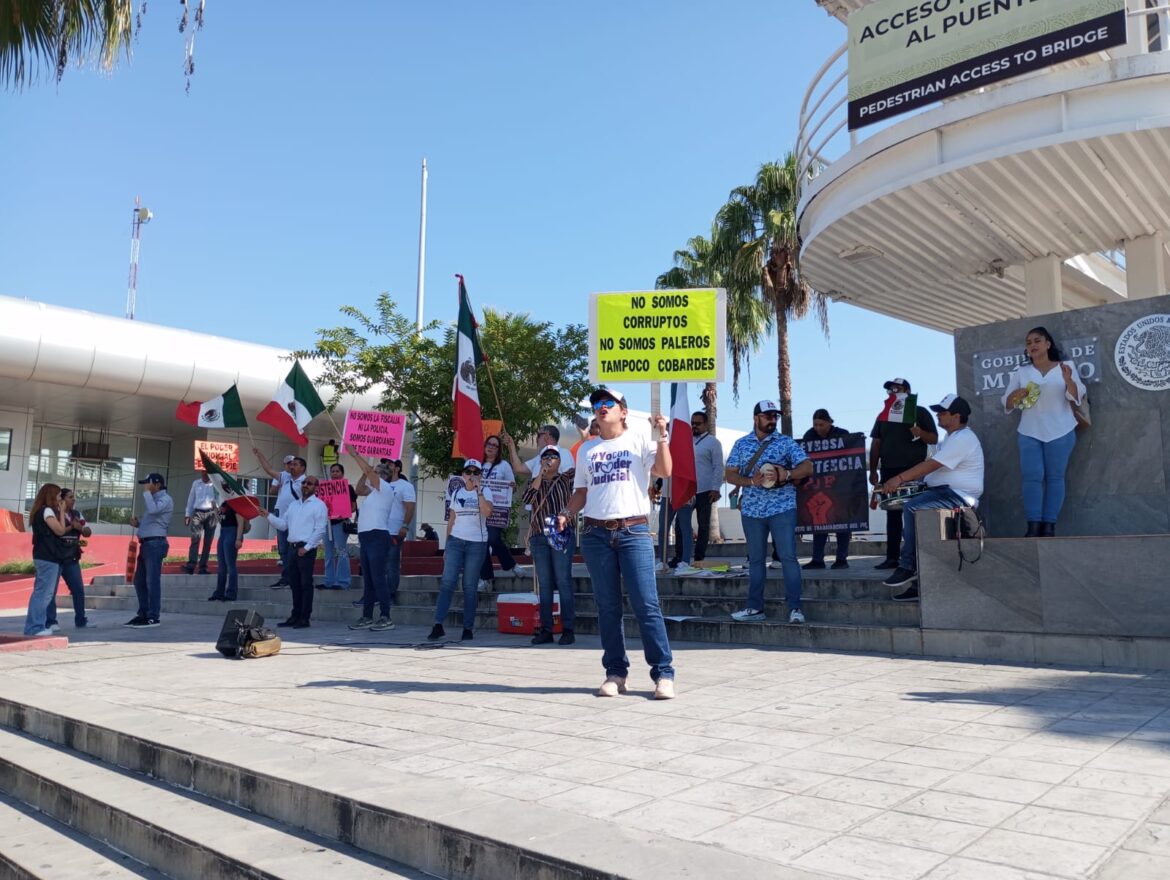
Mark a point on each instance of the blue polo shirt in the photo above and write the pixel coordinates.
(781, 450)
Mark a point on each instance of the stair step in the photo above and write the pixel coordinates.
(34, 846)
(179, 833)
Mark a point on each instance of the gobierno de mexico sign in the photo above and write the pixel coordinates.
(657, 336)
(904, 54)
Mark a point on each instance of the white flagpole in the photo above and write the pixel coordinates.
(419, 298)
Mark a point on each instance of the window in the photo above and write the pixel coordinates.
(5, 447)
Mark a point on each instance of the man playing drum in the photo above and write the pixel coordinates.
(954, 478)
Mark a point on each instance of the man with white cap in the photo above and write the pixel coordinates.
(287, 482)
(611, 487)
(894, 448)
(764, 463)
(954, 477)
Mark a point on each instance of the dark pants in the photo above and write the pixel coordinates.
(375, 545)
(227, 578)
(893, 517)
(300, 570)
(820, 539)
(282, 550)
(703, 512)
(202, 526)
(496, 545)
(148, 575)
(71, 574)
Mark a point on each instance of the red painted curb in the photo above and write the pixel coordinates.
(10, 643)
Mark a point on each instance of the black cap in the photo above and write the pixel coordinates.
(823, 415)
(953, 404)
(153, 478)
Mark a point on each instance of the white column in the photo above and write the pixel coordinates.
(1042, 290)
(1145, 269)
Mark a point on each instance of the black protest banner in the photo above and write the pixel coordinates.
(836, 497)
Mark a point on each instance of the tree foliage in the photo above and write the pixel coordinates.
(539, 372)
(53, 34)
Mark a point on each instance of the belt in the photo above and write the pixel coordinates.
(297, 543)
(614, 524)
(152, 538)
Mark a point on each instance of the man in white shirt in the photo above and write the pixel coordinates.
(955, 478)
(201, 517)
(304, 521)
(401, 513)
(287, 482)
(549, 435)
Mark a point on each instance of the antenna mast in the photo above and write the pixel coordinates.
(140, 216)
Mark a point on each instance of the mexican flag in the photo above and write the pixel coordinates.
(224, 411)
(243, 504)
(682, 448)
(466, 418)
(901, 409)
(294, 405)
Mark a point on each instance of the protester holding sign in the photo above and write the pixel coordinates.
(498, 483)
(901, 435)
(337, 573)
(374, 541)
(822, 429)
(1043, 391)
(611, 488)
(764, 464)
(401, 513)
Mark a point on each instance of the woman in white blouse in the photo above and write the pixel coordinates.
(1045, 391)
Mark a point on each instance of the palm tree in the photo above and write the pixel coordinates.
(758, 243)
(57, 33)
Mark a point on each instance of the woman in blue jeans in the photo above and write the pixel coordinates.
(467, 546)
(1044, 391)
(498, 471)
(47, 521)
(75, 530)
(231, 538)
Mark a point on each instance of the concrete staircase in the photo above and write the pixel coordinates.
(846, 610)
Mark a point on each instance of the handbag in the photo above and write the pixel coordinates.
(349, 527)
(1082, 413)
(258, 641)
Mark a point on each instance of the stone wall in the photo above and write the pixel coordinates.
(1120, 470)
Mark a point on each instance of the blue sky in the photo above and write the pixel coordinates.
(572, 149)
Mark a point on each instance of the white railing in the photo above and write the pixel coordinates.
(821, 136)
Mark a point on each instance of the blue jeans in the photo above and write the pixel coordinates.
(374, 544)
(393, 566)
(282, 550)
(554, 571)
(71, 574)
(626, 555)
(1042, 467)
(44, 588)
(782, 528)
(931, 499)
(227, 577)
(820, 539)
(684, 532)
(336, 557)
(148, 576)
(460, 557)
(497, 545)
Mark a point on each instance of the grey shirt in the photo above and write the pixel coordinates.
(708, 464)
(155, 522)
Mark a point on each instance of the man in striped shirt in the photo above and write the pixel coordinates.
(547, 494)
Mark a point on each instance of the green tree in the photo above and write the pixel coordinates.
(56, 33)
(538, 371)
(757, 244)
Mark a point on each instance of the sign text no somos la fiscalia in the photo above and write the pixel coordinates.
(658, 336)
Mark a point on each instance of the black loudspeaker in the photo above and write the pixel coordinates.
(229, 637)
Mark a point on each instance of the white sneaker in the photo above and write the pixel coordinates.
(748, 614)
(41, 632)
(664, 689)
(483, 586)
(661, 567)
(685, 568)
(613, 686)
(775, 563)
(522, 571)
(797, 616)
(54, 628)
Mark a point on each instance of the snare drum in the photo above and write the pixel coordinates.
(897, 499)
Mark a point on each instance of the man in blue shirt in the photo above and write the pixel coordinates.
(764, 464)
(153, 546)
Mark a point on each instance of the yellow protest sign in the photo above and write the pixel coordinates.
(657, 336)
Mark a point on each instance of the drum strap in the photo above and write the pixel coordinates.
(746, 470)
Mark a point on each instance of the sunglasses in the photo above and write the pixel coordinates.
(473, 471)
(604, 404)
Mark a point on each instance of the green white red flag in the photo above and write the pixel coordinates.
(901, 409)
(466, 415)
(244, 504)
(224, 411)
(293, 406)
(683, 481)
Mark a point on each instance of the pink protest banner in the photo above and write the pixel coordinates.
(374, 434)
(335, 494)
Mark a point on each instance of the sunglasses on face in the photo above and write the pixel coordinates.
(604, 404)
(475, 472)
